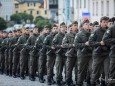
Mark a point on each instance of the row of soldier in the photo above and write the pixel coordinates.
(85, 50)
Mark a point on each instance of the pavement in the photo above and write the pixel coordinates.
(10, 81)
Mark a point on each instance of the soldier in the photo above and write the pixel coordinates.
(6, 53)
(50, 54)
(60, 54)
(24, 53)
(68, 42)
(84, 51)
(109, 39)
(100, 52)
(42, 53)
(33, 55)
(4, 46)
(95, 25)
(16, 54)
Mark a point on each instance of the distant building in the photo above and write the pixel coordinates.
(6, 8)
(61, 11)
(34, 7)
(52, 8)
(93, 9)
(101, 8)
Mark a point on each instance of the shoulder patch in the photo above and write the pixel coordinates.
(92, 35)
(108, 31)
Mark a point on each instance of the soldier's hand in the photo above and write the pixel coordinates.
(102, 43)
(52, 47)
(87, 43)
(62, 46)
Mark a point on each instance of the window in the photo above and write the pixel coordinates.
(84, 3)
(45, 11)
(93, 8)
(80, 4)
(34, 4)
(28, 4)
(51, 2)
(96, 8)
(107, 8)
(31, 12)
(16, 5)
(102, 8)
(37, 12)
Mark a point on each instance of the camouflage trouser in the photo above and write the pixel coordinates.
(10, 60)
(112, 72)
(33, 63)
(24, 58)
(60, 63)
(83, 66)
(99, 65)
(70, 64)
(50, 66)
(42, 65)
(6, 60)
(16, 58)
(2, 60)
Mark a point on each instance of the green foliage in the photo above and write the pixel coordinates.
(20, 17)
(16, 18)
(40, 23)
(3, 24)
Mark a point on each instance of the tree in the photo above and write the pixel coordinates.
(3, 24)
(30, 17)
(41, 23)
(38, 18)
(24, 16)
(16, 18)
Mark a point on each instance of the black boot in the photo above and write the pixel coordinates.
(49, 82)
(2, 71)
(60, 83)
(103, 83)
(69, 83)
(22, 76)
(14, 75)
(88, 83)
(52, 81)
(41, 79)
(6, 72)
(32, 78)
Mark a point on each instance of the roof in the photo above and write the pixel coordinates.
(22, 1)
(40, 1)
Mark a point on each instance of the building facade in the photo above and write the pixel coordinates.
(33, 7)
(52, 9)
(101, 8)
(6, 9)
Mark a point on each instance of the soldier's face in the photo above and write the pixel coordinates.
(110, 24)
(75, 27)
(1, 34)
(90, 27)
(5, 34)
(104, 24)
(35, 30)
(55, 30)
(46, 30)
(96, 26)
(18, 33)
(27, 31)
(63, 28)
(10, 35)
(86, 26)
